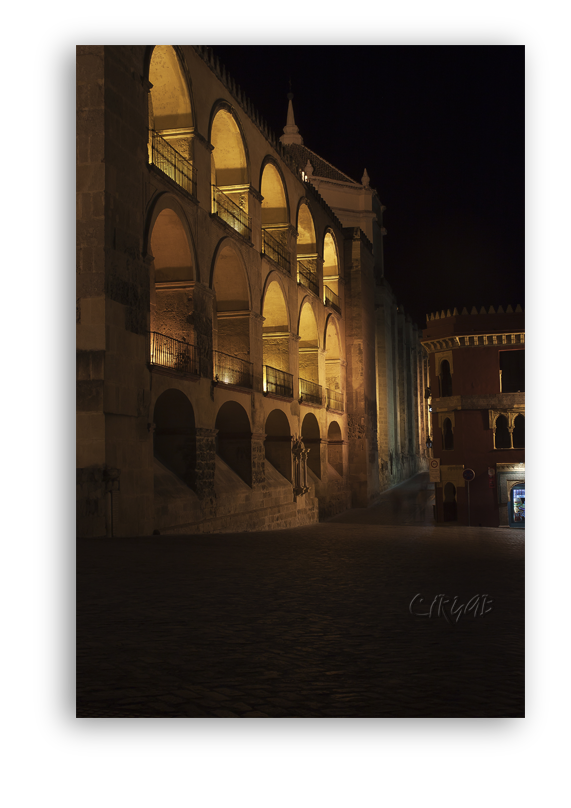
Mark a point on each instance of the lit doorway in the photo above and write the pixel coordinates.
(517, 506)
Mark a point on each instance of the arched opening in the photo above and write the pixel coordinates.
(335, 447)
(274, 202)
(275, 334)
(310, 390)
(445, 379)
(174, 439)
(170, 118)
(172, 334)
(502, 437)
(234, 439)
(333, 391)
(331, 273)
(278, 443)
(519, 432)
(447, 434)
(275, 218)
(231, 323)
(450, 506)
(312, 440)
(306, 250)
(229, 173)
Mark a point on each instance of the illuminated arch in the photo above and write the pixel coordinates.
(275, 206)
(229, 279)
(231, 310)
(330, 255)
(172, 273)
(274, 308)
(229, 163)
(170, 203)
(306, 238)
(333, 364)
(307, 329)
(170, 102)
(276, 339)
(308, 351)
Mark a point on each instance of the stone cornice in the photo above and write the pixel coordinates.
(484, 401)
(509, 339)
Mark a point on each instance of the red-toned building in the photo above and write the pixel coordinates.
(476, 401)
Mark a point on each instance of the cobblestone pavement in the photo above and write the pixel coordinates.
(311, 621)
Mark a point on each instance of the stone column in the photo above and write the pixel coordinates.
(205, 469)
(258, 460)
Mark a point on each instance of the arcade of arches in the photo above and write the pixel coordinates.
(226, 316)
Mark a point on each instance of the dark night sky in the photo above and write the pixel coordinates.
(440, 130)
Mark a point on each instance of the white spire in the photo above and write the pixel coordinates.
(291, 131)
(365, 179)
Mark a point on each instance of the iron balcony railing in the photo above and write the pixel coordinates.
(231, 213)
(307, 278)
(167, 352)
(334, 399)
(331, 299)
(278, 382)
(276, 251)
(231, 370)
(310, 392)
(173, 164)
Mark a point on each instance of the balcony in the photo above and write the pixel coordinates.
(275, 250)
(167, 352)
(334, 400)
(310, 393)
(231, 370)
(278, 382)
(231, 213)
(331, 299)
(173, 164)
(306, 277)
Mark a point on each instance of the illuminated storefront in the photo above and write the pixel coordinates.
(517, 506)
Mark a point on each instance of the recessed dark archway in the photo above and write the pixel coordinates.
(312, 440)
(335, 447)
(174, 440)
(278, 443)
(519, 432)
(234, 439)
(445, 379)
(447, 435)
(502, 435)
(450, 506)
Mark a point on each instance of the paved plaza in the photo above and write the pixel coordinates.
(307, 622)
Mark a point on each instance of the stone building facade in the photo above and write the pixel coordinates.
(477, 386)
(241, 361)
